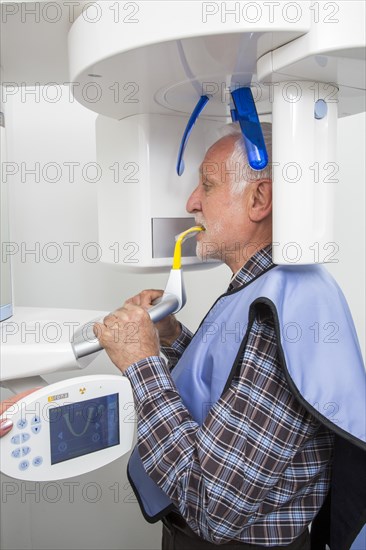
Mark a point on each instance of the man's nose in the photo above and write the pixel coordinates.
(194, 202)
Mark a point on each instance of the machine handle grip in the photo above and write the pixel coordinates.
(85, 343)
(162, 307)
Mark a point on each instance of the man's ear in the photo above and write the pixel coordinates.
(260, 205)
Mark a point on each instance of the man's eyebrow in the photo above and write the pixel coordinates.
(204, 176)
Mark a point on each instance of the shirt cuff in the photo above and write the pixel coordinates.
(174, 352)
(149, 377)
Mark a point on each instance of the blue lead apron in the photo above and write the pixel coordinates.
(322, 362)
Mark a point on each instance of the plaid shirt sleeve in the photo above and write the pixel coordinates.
(174, 352)
(257, 470)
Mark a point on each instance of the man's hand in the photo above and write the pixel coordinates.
(128, 335)
(6, 425)
(169, 328)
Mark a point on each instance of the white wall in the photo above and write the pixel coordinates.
(66, 212)
(350, 218)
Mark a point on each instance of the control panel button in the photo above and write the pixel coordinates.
(62, 447)
(37, 461)
(26, 450)
(24, 437)
(22, 423)
(36, 428)
(15, 440)
(16, 453)
(23, 465)
(36, 419)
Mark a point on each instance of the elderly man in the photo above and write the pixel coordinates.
(232, 450)
(250, 468)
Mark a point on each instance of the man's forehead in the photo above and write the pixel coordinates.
(220, 150)
(214, 162)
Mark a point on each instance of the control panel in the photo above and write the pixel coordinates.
(68, 428)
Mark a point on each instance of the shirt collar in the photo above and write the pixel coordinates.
(255, 266)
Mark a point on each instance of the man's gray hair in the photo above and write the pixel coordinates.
(241, 172)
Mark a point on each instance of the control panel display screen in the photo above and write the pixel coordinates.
(84, 427)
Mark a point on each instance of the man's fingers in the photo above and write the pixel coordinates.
(110, 320)
(145, 298)
(134, 300)
(131, 312)
(97, 329)
(151, 294)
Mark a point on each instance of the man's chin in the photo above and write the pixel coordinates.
(199, 252)
(207, 251)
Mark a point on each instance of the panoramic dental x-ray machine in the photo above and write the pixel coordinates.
(286, 63)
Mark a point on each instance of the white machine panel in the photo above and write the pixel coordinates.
(69, 428)
(141, 199)
(119, 72)
(37, 341)
(6, 300)
(304, 177)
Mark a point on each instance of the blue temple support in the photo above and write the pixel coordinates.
(187, 132)
(246, 114)
(234, 115)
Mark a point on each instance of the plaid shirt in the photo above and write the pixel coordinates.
(258, 469)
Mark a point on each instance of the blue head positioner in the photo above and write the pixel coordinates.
(246, 114)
